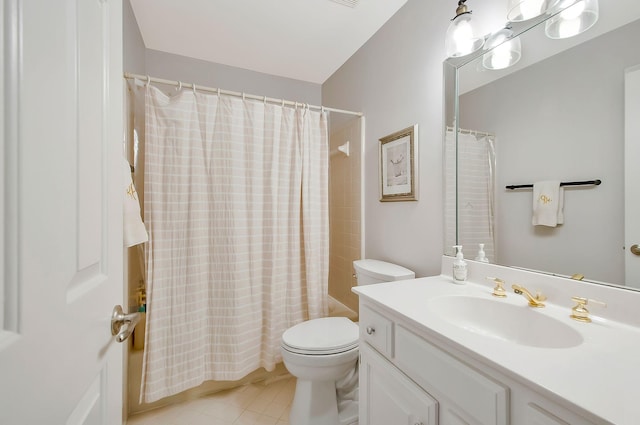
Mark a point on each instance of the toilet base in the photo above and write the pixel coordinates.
(314, 403)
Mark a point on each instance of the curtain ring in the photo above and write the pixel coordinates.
(179, 85)
(264, 100)
(148, 80)
(243, 96)
(218, 91)
(193, 86)
(282, 102)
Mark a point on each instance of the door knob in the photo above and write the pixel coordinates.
(122, 325)
(635, 249)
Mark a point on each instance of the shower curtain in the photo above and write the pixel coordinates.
(470, 204)
(236, 205)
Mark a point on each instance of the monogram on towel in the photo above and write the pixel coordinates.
(548, 203)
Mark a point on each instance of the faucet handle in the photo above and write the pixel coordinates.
(579, 312)
(498, 291)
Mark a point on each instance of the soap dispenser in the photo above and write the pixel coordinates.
(481, 255)
(459, 266)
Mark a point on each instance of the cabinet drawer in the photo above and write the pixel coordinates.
(377, 330)
(478, 399)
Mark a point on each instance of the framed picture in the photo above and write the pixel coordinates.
(398, 166)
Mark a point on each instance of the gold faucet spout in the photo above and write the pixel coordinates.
(533, 301)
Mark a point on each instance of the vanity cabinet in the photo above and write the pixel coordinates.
(536, 415)
(408, 378)
(391, 397)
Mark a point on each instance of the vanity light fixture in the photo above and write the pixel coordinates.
(503, 50)
(574, 20)
(461, 39)
(523, 10)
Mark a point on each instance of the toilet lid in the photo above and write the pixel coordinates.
(328, 335)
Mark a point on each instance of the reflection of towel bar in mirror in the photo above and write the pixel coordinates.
(582, 183)
(344, 148)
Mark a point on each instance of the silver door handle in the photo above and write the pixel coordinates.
(122, 325)
(635, 249)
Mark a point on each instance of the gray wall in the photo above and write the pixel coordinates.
(396, 80)
(133, 45)
(562, 119)
(189, 70)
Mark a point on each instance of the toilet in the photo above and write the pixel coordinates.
(323, 354)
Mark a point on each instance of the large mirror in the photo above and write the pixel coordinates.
(557, 115)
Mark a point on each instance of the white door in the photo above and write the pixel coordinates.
(632, 177)
(61, 248)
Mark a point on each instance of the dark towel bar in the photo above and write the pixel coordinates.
(582, 183)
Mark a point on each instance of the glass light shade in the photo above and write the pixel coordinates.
(461, 39)
(573, 20)
(522, 10)
(503, 51)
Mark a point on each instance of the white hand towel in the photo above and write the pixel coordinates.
(134, 230)
(548, 204)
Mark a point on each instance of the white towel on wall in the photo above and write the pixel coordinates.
(134, 231)
(548, 203)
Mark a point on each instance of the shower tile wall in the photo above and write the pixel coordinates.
(344, 213)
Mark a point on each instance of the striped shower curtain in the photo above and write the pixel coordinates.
(236, 205)
(470, 193)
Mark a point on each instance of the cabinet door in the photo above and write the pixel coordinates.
(388, 397)
(464, 394)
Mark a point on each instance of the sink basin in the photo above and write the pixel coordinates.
(497, 319)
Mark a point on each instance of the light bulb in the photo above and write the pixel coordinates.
(578, 17)
(522, 10)
(530, 9)
(503, 50)
(460, 39)
(573, 12)
(568, 29)
(501, 56)
(463, 37)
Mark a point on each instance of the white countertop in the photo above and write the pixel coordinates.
(601, 375)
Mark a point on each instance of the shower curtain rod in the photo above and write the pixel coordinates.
(149, 79)
(474, 132)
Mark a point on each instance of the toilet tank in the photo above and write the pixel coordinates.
(375, 271)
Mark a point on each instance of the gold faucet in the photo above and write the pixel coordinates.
(536, 301)
(579, 312)
(498, 291)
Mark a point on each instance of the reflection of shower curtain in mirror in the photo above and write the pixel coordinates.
(476, 193)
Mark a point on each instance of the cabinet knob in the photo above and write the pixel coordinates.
(371, 330)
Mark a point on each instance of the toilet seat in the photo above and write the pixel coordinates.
(324, 336)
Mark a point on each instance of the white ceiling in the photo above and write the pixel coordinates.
(306, 40)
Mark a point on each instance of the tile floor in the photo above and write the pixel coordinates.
(253, 404)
